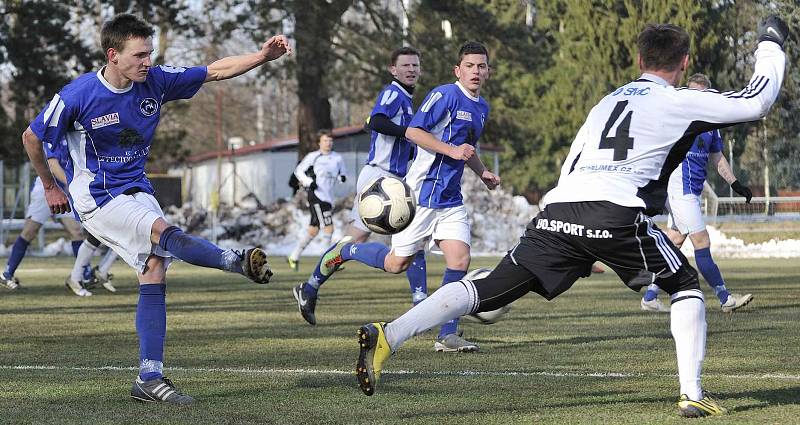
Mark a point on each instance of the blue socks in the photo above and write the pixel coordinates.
(16, 256)
(450, 275)
(417, 275)
(198, 251)
(708, 268)
(76, 245)
(151, 326)
(369, 253)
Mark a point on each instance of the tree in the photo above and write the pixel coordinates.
(43, 55)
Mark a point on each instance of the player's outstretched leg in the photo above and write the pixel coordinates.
(252, 263)
(710, 271)
(449, 302)
(18, 250)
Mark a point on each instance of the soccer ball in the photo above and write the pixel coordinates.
(386, 206)
(485, 317)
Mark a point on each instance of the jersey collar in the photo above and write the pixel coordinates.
(402, 87)
(654, 79)
(466, 92)
(109, 86)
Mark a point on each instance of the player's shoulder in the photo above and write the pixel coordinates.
(80, 87)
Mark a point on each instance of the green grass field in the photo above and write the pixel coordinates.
(242, 350)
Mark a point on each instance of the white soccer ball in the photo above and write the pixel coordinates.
(485, 317)
(386, 206)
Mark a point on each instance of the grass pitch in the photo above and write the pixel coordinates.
(244, 352)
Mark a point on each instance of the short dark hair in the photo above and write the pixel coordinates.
(700, 79)
(324, 132)
(663, 46)
(472, 48)
(121, 28)
(405, 50)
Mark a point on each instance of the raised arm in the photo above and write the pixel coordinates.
(233, 66)
(55, 197)
(716, 110)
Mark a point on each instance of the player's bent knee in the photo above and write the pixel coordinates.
(396, 265)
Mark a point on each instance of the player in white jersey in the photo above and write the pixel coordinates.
(614, 176)
(686, 216)
(389, 155)
(109, 118)
(318, 173)
(446, 129)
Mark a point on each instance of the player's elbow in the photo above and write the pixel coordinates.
(29, 138)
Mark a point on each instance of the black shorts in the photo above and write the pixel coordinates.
(321, 211)
(562, 242)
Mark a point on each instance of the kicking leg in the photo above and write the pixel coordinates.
(378, 341)
(200, 252)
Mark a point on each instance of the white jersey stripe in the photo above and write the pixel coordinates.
(52, 106)
(429, 104)
(56, 114)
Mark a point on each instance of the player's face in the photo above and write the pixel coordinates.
(472, 72)
(406, 69)
(133, 61)
(326, 144)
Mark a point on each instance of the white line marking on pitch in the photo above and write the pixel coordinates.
(269, 371)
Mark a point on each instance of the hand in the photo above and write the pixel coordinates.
(491, 180)
(342, 178)
(56, 200)
(742, 190)
(276, 47)
(461, 152)
(772, 28)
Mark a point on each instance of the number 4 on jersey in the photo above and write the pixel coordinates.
(621, 141)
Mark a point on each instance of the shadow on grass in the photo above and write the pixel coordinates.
(771, 397)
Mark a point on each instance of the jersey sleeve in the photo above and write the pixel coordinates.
(717, 144)
(388, 103)
(717, 110)
(180, 83)
(433, 110)
(54, 120)
(300, 170)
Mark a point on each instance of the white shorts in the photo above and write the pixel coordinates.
(38, 210)
(685, 214)
(432, 225)
(124, 225)
(367, 175)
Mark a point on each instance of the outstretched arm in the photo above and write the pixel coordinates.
(233, 66)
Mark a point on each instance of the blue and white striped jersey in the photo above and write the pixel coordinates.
(109, 131)
(688, 178)
(389, 152)
(455, 117)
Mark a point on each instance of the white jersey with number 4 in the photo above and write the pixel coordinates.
(635, 136)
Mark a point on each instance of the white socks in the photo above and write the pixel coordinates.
(688, 326)
(83, 258)
(301, 245)
(107, 262)
(449, 302)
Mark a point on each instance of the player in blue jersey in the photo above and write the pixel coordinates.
(446, 129)
(686, 216)
(389, 155)
(109, 118)
(36, 215)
